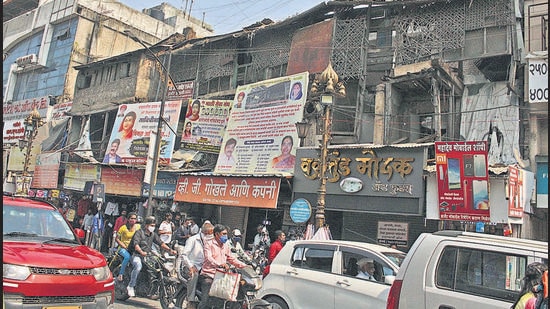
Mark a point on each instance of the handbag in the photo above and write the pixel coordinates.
(225, 285)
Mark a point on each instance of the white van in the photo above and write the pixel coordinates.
(454, 269)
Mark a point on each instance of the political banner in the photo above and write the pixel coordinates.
(261, 135)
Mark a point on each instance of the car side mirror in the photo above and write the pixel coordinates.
(80, 234)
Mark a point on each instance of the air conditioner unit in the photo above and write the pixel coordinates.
(26, 60)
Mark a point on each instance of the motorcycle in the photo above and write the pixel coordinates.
(250, 283)
(165, 284)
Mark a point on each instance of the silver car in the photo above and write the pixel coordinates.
(323, 274)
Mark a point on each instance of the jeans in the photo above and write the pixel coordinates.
(136, 263)
(125, 259)
(206, 284)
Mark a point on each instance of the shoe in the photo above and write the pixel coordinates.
(154, 297)
(120, 278)
(131, 291)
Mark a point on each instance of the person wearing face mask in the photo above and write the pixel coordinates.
(235, 245)
(141, 245)
(193, 256)
(217, 254)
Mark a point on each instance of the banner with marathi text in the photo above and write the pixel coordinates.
(462, 180)
(132, 130)
(261, 137)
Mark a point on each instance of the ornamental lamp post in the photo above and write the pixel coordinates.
(31, 125)
(325, 88)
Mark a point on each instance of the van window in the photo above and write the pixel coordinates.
(484, 273)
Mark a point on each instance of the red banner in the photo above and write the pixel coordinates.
(123, 181)
(229, 191)
(462, 181)
(515, 206)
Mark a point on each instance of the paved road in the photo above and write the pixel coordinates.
(137, 302)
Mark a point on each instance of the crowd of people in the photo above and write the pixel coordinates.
(203, 249)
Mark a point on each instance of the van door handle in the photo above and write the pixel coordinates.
(446, 307)
(343, 283)
(292, 271)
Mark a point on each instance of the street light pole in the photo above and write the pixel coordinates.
(158, 137)
(31, 124)
(323, 91)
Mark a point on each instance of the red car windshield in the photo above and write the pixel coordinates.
(33, 221)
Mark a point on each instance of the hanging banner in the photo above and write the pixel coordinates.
(123, 181)
(77, 174)
(205, 124)
(515, 208)
(229, 191)
(46, 171)
(462, 181)
(261, 136)
(129, 142)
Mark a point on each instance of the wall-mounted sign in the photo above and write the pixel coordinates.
(351, 185)
(393, 233)
(300, 210)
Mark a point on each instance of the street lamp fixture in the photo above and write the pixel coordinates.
(325, 88)
(158, 134)
(302, 128)
(31, 125)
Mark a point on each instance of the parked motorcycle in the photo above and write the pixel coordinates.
(250, 283)
(165, 284)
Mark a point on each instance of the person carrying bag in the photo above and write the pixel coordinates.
(225, 285)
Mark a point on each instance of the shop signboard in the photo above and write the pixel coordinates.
(77, 174)
(132, 129)
(462, 180)
(259, 192)
(261, 136)
(46, 171)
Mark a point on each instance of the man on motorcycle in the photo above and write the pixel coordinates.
(141, 245)
(193, 257)
(216, 255)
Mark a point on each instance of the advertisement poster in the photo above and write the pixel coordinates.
(515, 208)
(14, 117)
(261, 137)
(234, 191)
(123, 181)
(129, 142)
(182, 91)
(46, 171)
(77, 174)
(204, 125)
(462, 180)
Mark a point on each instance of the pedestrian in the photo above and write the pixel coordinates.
(186, 230)
(193, 257)
(261, 238)
(141, 246)
(216, 255)
(97, 230)
(166, 228)
(120, 221)
(274, 249)
(532, 295)
(123, 238)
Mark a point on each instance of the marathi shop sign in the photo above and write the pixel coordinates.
(229, 191)
(462, 181)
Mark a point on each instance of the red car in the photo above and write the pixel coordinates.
(45, 263)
